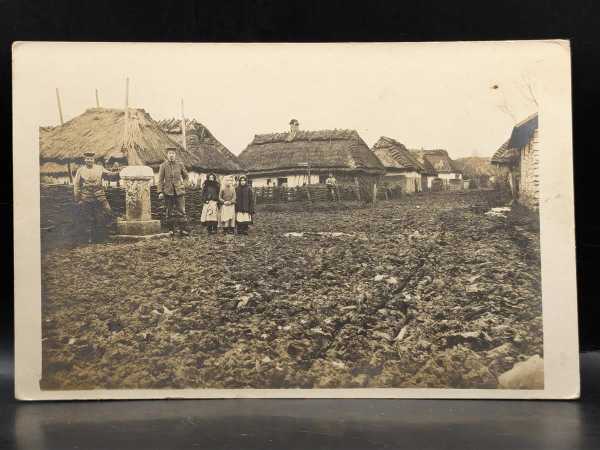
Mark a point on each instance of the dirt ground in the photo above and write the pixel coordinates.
(425, 291)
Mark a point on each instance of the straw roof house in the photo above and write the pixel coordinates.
(401, 166)
(289, 155)
(207, 153)
(518, 158)
(131, 139)
(439, 160)
(395, 156)
(438, 164)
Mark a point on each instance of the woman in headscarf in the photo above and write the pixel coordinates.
(227, 200)
(210, 200)
(244, 205)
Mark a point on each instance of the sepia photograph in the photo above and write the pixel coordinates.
(291, 216)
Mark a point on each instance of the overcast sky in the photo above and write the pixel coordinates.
(461, 97)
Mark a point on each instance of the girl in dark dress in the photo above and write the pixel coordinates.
(244, 205)
(210, 200)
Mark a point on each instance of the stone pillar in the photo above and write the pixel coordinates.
(138, 220)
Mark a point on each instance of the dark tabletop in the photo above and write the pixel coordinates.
(306, 424)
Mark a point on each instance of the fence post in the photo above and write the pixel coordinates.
(357, 188)
(308, 194)
(374, 194)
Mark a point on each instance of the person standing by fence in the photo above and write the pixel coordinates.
(89, 194)
(171, 177)
(227, 199)
(210, 200)
(244, 204)
(331, 184)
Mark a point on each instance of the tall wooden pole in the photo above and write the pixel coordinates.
(60, 114)
(183, 127)
(125, 122)
(126, 93)
(60, 117)
(97, 100)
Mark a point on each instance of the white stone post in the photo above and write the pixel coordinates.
(138, 218)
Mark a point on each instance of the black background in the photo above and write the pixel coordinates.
(313, 21)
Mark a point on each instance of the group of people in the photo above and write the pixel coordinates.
(226, 204)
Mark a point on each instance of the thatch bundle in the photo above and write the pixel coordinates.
(342, 150)
(395, 156)
(206, 152)
(132, 138)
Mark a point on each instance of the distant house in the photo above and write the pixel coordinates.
(477, 171)
(401, 167)
(288, 158)
(442, 165)
(207, 153)
(518, 158)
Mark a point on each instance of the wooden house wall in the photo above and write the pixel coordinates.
(529, 174)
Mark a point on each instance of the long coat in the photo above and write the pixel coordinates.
(171, 176)
(244, 200)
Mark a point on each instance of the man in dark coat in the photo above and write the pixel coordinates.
(172, 176)
(91, 198)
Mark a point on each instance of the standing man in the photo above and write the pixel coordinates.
(331, 184)
(90, 196)
(171, 177)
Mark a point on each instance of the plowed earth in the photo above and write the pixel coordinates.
(426, 291)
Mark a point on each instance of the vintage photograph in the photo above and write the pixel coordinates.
(290, 216)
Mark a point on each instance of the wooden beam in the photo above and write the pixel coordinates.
(60, 114)
(183, 130)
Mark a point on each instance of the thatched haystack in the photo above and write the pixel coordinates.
(206, 152)
(289, 154)
(107, 132)
(113, 136)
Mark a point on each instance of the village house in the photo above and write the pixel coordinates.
(518, 159)
(123, 137)
(209, 155)
(301, 157)
(428, 173)
(402, 168)
(443, 167)
(114, 135)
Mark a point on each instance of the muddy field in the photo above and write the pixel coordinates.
(426, 291)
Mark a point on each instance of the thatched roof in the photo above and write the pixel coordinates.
(207, 153)
(427, 168)
(521, 135)
(438, 159)
(327, 149)
(106, 132)
(395, 156)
